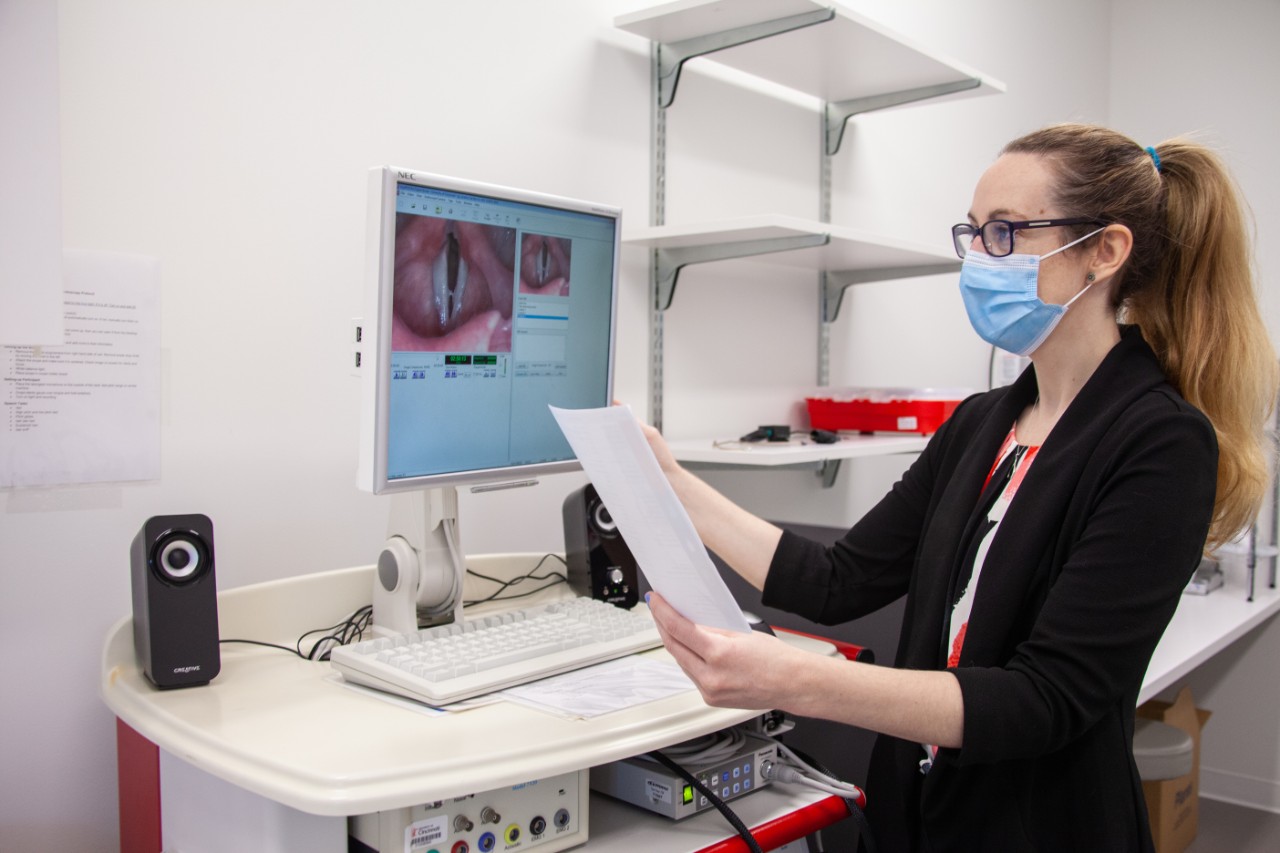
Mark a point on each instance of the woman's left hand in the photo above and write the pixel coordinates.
(730, 669)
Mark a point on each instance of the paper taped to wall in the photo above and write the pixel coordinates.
(618, 460)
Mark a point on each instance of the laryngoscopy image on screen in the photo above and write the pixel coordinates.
(454, 284)
(544, 265)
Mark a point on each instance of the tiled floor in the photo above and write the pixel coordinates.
(1228, 828)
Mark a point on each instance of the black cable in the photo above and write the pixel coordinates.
(350, 629)
(268, 645)
(865, 835)
(531, 575)
(353, 627)
(728, 813)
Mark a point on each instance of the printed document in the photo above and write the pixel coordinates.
(88, 410)
(618, 460)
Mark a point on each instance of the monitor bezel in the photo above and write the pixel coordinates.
(376, 343)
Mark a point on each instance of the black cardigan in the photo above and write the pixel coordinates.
(1084, 574)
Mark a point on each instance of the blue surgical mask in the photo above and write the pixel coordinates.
(1002, 299)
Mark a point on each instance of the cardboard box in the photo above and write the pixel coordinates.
(1173, 804)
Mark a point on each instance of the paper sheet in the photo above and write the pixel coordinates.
(605, 687)
(618, 460)
(88, 411)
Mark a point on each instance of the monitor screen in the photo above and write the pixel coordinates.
(488, 304)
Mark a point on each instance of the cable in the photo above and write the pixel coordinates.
(708, 749)
(854, 803)
(728, 813)
(350, 629)
(347, 631)
(497, 595)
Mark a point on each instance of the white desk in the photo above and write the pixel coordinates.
(289, 731)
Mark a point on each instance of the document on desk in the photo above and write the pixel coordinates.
(621, 465)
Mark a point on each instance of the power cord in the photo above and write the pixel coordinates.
(347, 631)
(720, 805)
(554, 577)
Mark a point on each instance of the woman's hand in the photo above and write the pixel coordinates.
(666, 460)
(758, 672)
(730, 669)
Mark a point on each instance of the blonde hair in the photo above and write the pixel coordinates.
(1188, 284)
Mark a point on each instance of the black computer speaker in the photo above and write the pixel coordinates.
(175, 601)
(600, 563)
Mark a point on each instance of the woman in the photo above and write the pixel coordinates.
(1081, 497)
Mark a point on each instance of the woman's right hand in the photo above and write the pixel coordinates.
(666, 459)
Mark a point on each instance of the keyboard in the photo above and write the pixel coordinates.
(448, 663)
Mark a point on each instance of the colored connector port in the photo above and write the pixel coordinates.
(512, 835)
(460, 847)
(538, 825)
(487, 842)
(561, 818)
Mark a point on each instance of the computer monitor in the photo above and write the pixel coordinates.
(485, 305)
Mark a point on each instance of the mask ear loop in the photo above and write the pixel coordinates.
(1073, 242)
(1090, 277)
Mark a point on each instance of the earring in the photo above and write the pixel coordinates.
(1090, 277)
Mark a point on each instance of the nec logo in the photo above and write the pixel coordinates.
(408, 176)
(182, 670)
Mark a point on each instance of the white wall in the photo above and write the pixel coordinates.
(1181, 67)
(230, 140)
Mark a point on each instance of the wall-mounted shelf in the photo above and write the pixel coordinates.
(853, 64)
(848, 255)
(849, 65)
(823, 458)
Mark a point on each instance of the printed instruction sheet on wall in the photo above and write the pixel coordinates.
(88, 410)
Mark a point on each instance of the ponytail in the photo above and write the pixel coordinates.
(1199, 313)
(1188, 285)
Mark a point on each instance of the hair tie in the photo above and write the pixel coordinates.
(1155, 158)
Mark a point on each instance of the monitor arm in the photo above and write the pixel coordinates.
(420, 566)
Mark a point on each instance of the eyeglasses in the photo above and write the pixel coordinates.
(997, 235)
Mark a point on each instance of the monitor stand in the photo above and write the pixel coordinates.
(420, 568)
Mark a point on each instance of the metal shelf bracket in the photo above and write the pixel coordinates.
(673, 55)
(835, 282)
(836, 114)
(669, 262)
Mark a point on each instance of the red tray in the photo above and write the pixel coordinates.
(880, 415)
